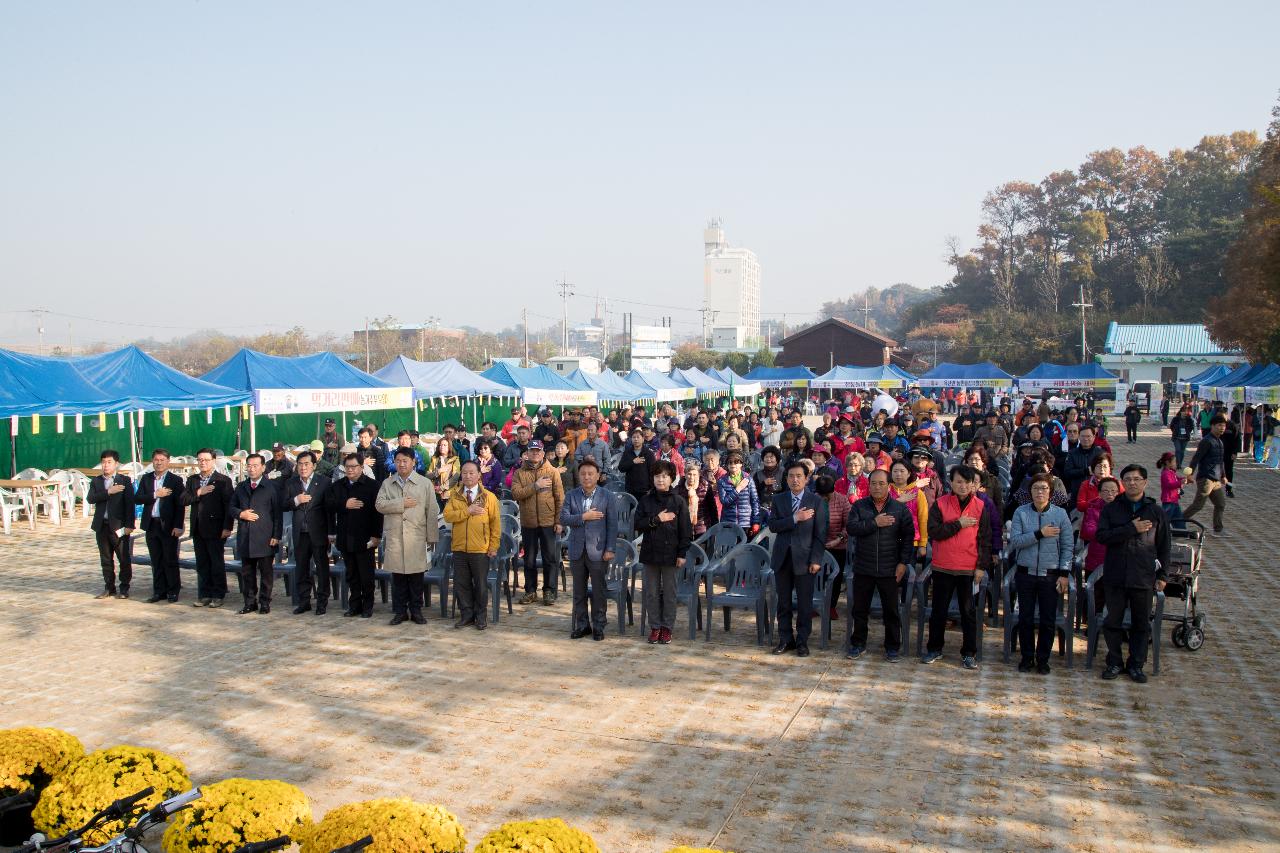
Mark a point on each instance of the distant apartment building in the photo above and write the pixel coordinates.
(731, 281)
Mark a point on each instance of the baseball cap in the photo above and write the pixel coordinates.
(922, 435)
(329, 422)
(277, 446)
(535, 445)
(875, 438)
(317, 445)
(921, 451)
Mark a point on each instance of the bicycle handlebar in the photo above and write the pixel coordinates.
(161, 812)
(264, 846)
(355, 845)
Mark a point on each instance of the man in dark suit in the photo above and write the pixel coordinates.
(159, 493)
(257, 503)
(800, 519)
(591, 514)
(304, 494)
(208, 493)
(355, 525)
(113, 521)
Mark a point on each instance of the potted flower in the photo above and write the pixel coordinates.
(396, 825)
(234, 812)
(29, 759)
(94, 781)
(546, 834)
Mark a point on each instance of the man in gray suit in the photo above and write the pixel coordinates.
(591, 514)
(800, 519)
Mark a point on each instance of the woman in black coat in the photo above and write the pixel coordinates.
(663, 519)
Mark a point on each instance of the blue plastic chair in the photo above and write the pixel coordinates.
(440, 571)
(749, 586)
(620, 573)
(626, 504)
(1063, 618)
(1097, 618)
(918, 592)
(688, 588)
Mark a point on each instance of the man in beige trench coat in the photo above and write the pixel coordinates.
(411, 523)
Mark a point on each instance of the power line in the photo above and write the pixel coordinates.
(131, 323)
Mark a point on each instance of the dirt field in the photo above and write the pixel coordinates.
(715, 744)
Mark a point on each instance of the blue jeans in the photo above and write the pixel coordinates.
(1179, 450)
(1173, 511)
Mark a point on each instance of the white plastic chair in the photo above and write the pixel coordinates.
(80, 488)
(66, 491)
(12, 505)
(32, 474)
(51, 500)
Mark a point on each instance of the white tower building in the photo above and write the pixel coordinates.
(731, 279)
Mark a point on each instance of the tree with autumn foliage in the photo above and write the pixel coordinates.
(1248, 314)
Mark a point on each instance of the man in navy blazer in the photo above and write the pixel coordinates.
(113, 521)
(159, 493)
(591, 514)
(800, 519)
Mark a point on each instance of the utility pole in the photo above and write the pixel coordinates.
(366, 345)
(40, 331)
(1082, 305)
(705, 325)
(604, 337)
(566, 290)
(866, 310)
(524, 321)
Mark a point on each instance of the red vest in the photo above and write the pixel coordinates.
(959, 553)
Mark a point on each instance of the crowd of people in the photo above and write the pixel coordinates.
(869, 486)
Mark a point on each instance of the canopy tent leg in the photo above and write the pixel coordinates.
(253, 431)
(133, 437)
(415, 416)
(344, 426)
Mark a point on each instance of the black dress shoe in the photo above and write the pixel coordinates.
(597, 634)
(1043, 668)
(351, 613)
(1026, 665)
(481, 623)
(366, 614)
(1137, 675)
(301, 608)
(155, 598)
(783, 646)
(802, 650)
(321, 609)
(264, 609)
(173, 599)
(123, 593)
(396, 620)
(418, 619)
(248, 608)
(106, 593)
(579, 633)
(462, 623)
(1111, 673)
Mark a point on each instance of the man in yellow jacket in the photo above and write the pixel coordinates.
(540, 492)
(477, 531)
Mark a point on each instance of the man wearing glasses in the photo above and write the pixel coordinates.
(1136, 532)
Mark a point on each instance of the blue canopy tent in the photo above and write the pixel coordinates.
(741, 387)
(148, 383)
(438, 380)
(539, 385)
(1047, 375)
(610, 387)
(1231, 388)
(782, 377)
(704, 384)
(951, 375)
(321, 382)
(1205, 377)
(31, 386)
(1265, 387)
(884, 376)
(662, 388)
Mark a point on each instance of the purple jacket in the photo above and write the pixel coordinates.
(997, 528)
(492, 479)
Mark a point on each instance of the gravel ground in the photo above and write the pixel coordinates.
(697, 743)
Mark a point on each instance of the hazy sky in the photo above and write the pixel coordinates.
(248, 164)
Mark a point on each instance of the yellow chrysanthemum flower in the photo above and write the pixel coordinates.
(397, 826)
(94, 781)
(238, 811)
(31, 757)
(550, 835)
